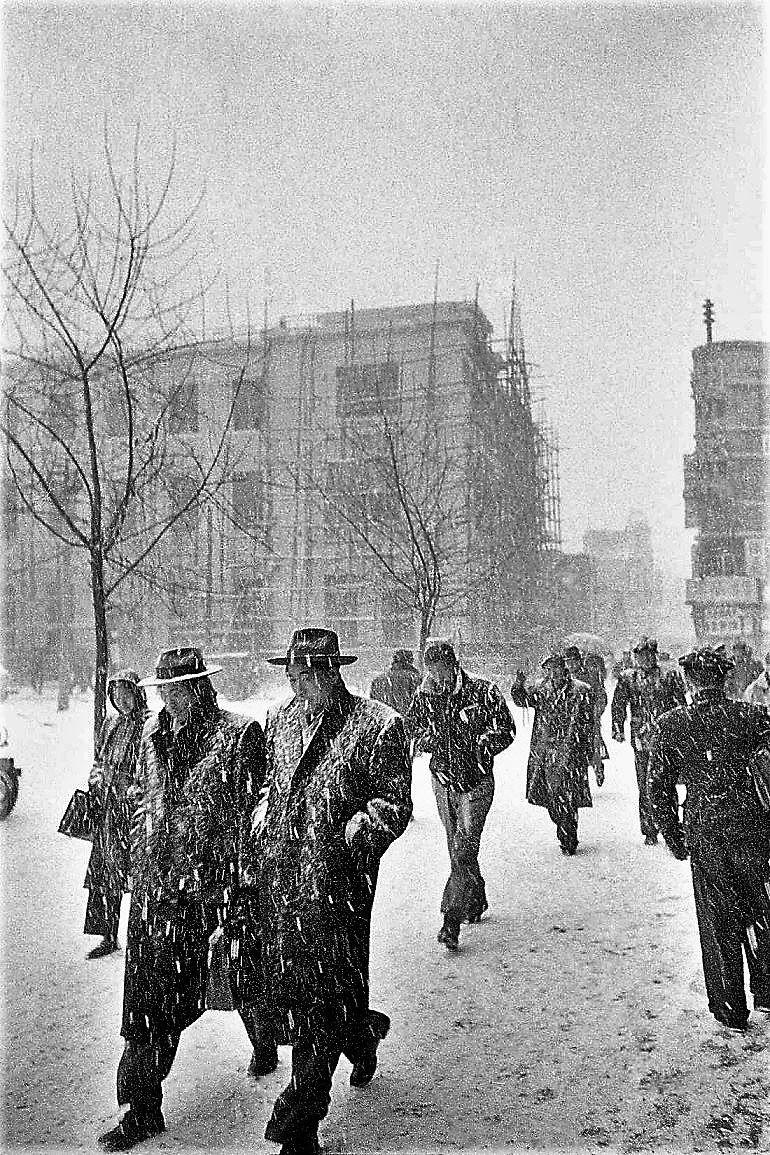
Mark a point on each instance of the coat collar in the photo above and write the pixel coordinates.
(332, 721)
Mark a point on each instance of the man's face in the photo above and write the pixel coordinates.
(573, 664)
(123, 697)
(556, 674)
(442, 674)
(646, 660)
(308, 687)
(177, 698)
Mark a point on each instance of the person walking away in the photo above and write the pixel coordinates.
(109, 783)
(707, 746)
(758, 691)
(199, 771)
(560, 747)
(747, 670)
(645, 693)
(336, 795)
(463, 723)
(397, 687)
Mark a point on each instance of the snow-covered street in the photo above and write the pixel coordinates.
(574, 1016)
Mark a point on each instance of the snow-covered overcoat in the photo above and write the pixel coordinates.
(315, 892)
(561, 745)
(196, 794)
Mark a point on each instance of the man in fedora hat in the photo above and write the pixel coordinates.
(561, 745)
(463, 723)
(645, 692)
(198, 774)
(337, 793)
(725, 829)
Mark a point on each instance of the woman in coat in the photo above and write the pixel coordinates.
(111, 777)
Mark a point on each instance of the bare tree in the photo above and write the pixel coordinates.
(103, 334)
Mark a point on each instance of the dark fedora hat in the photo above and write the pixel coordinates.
(181, 664)
(649, 645)
(573, 652)
(554, 659)
(313, 646)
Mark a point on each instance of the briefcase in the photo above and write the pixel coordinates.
(78, 819)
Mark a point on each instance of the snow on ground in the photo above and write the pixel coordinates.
(574, 1016)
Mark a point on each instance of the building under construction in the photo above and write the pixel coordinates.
(386, 476)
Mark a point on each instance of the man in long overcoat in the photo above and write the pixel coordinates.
(708, 746)
(198, 774)
(337, 793)
(109, 784)
(463, 723)
(592, 674)
(645, 693)
(561, 746)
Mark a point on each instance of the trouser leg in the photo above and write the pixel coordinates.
(646, 823)
(565, 819)
(446, 812)
(103, 911)
(305, 1101)
(141, 1071)
(721, 939)
(464, 815)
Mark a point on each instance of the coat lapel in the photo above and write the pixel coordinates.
(331, 725)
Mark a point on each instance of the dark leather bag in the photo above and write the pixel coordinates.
(78, 819)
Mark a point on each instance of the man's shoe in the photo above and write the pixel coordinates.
(568, 850)
(763, 1008)
(264, 1060)
(363, 1071)
(651, 840)
(734, 1026)
(105, 947)
(449, 935)
(132, 1129)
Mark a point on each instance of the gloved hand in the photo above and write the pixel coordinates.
(679, 851)
(356, 831)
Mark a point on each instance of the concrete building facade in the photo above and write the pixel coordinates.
(727, 492)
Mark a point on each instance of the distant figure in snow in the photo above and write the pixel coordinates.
(561, 746)
(396, 688)
(747, 670)
(111, 777)
(198, 773)
(463, 723)
(758, 691)
(708, 747)
(337, 794)
(645, 693)
(589, 670)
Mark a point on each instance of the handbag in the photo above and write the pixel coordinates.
(78, 819)
(759, 773)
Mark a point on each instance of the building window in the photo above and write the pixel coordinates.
(249, 403)
(248, 506)
(182, 406)
(368, 390)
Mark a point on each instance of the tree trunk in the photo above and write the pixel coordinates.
(102, 641)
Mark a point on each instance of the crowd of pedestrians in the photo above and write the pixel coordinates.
(253, 854)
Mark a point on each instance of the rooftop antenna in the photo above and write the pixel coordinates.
(708, 317)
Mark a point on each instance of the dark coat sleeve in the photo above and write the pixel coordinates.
(620, 701)
(501, 728)
(664, 800)
(389, 807)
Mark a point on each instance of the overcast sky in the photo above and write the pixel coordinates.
(615, 154)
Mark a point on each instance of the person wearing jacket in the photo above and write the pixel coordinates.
(463, 723)
(397, 687)
(758, 691)
(198, 774)
(109, 784)
(725, 830)
(645, 693)
(561, 746)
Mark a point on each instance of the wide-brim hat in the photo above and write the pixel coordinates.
(713, 663)
(313, 646)
(555, 659)
(182, 664)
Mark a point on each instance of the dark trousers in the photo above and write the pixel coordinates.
(305, 1100)
(144, 1066)
(646, 823)
(463, 814)
(103, 910)
(732, 906)
(565, 819)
